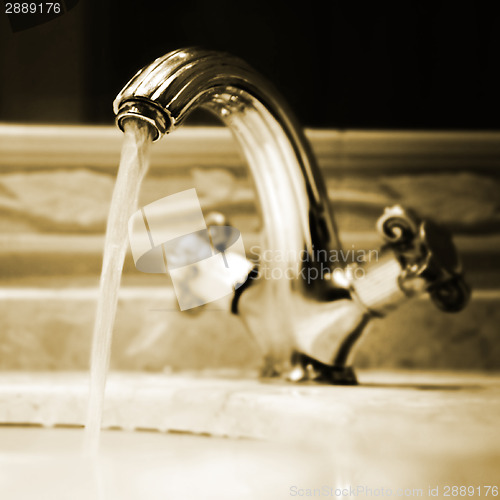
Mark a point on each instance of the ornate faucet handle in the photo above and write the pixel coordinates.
(428, 256)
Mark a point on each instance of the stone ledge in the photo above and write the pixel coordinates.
(416, 426)
(50, 329)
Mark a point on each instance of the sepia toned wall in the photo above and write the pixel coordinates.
(55, 189)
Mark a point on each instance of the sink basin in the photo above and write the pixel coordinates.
(45, 463)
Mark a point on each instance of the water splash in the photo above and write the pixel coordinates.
(134, 164)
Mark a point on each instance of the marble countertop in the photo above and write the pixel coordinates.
(395, 428)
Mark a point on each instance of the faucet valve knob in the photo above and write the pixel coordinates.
(427, 254)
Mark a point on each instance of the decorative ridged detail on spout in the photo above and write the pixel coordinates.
(180, 80)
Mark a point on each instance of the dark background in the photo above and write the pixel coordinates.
(344, 65)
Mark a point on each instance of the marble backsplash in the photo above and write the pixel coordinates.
(52, 222)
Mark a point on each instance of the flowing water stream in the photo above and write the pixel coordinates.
(134, 164)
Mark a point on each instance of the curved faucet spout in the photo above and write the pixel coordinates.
(317, 314)
(291, 192)
(294, 207)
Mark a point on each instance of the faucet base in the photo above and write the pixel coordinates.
(307, 369)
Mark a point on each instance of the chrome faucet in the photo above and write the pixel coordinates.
(304, 308)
